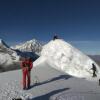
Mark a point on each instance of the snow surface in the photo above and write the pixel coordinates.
(51, 85)
(11, 90)
(64, 57)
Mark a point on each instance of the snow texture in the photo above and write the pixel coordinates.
(5, 59)
(52, 85)
(64, 57)
(12, 90)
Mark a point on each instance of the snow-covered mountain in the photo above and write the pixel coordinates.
(30, 46)
(64, 57)
(8, 56)
(50, 84)
(11, 56)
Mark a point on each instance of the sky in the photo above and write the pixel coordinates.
(75, 21)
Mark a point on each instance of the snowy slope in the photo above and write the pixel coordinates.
(52, 85)
(30, 46)
(7, 55)
(64, 57)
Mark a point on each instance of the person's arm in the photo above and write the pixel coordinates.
(31, 65)
(22, 65)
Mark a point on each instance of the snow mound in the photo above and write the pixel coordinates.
(64, 57)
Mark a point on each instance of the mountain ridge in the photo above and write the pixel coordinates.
(64, 57)
(29, 46)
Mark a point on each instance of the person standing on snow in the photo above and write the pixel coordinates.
(55, 37)
(94, 70)
(26, 66)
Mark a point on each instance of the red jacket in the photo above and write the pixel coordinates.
(27, 64)
(30, 63)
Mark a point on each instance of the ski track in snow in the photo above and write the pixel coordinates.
(12, 90)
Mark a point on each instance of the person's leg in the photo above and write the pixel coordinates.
(28, 79)
(24, 79)
(99, 82)
(94, 74)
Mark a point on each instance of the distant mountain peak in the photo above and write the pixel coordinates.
(2, 43)
(1, 40)
(29, 46)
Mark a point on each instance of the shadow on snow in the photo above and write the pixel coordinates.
(48, 95)
(51, 80)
